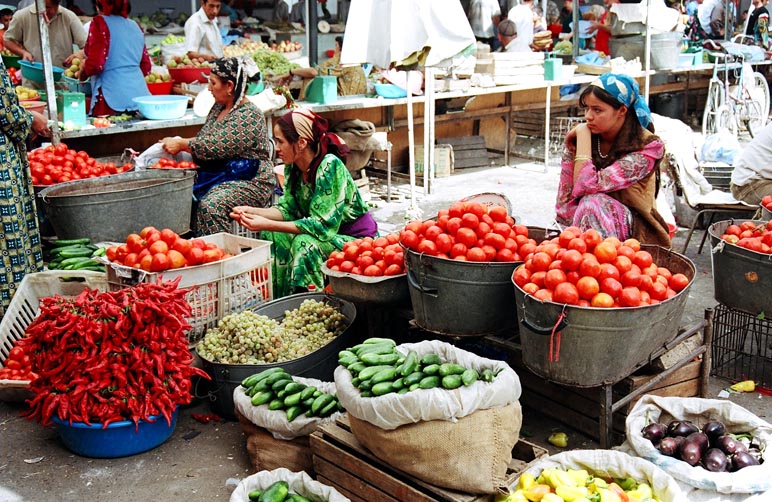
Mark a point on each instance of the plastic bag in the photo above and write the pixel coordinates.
(275, 421)
(720, 147)
(393, 410)
(168, 51)
(156, 151)
(299, 482)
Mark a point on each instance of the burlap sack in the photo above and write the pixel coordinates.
(470, 454)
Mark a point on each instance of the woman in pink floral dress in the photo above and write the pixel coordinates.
(610, 168)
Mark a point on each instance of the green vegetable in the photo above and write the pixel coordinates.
(294, 412)
(382, 388)
(72, 242)
(432, 369)
(375, 359)
(452, 381)
(468, 377)
(488, 375)
(253, 379)
(376, 348)
(277, 492)
(451, 369)
(410, 364)
(293, 387)
(320, 402)
(280, 384)
(429, 382)
(355, 368)
(386, 375)
(292, 399)
(413, 378)
(276, 404)
(254, 495)
(74, 253)
(428, 359)
(262, 397)
(294, 497)
(367, 373)
(307, 392)
(327, 410)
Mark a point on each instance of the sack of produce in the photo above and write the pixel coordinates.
(442, 402)
(279, 484)
(287, 417)
(604, 475)
(723, 444)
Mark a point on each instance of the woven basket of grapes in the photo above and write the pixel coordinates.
(300, 333)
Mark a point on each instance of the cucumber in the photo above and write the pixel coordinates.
(99, 252)
(317, 393)
(355, 382)
(469, 377)
(262, 397)
(365, 385)
(293, 412)
(432, 369)
(57, 251)
(410, 364)
(403, 390)
(294, 497)
(355, 368)
(366, 393)
(329, 409)
(292, 399)
(276, 404)
(414, 386)
(280, 384)
(307, 392)
(348, 361)
(488, 375)
(71, 242)
(451, 382)
(398, 384)
(281, 394)
(367, 373)
(428, 359)
(320, 402)
(345, 354)
(373, 359)
(74, 253)
(414, 377)
(254, 495)
(429, 382)
(386, 375)
(253, 379)
(294, 387)
(451, 369)
(277, 492)
(306, 403)
(382, 388)
(374, 340)
(252, 391)
(378, 348)
(74, 261)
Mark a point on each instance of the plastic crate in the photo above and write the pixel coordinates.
(742, 346)
(217, 288)
(24, 309)
(75, 85)
(237, 229)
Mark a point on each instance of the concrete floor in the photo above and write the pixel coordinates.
(200, 461)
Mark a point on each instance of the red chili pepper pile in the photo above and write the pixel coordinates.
(104, 357)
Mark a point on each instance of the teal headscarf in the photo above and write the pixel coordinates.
(625, 89)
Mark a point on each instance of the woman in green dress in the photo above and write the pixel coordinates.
(20, 248)
(320, 210)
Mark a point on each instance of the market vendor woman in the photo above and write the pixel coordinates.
(232, 150)
(321, 207)
(610, 169)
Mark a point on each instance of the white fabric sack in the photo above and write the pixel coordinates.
(737, 419)
(615, 464)
(299, 482)
(168, 51)
(393, 410)
(155, 152)
(275, 421)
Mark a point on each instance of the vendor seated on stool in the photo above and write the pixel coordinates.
(752, 174)
(507, 35)
(351, 79)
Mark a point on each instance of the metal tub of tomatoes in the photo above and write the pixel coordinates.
(591, 310)
(369, 271)
(108, 209)
(742, 264)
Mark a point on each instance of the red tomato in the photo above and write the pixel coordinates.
(587, 287)
(565, 292)
(630, 297)
(475, 254)
(602, 300)
(678, 282)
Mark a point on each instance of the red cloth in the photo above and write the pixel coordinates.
(114, 7)
(556, 30)
(602, 37)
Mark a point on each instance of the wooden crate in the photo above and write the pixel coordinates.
(267, 453)
(468, 151)
(580, 408)
(342, 462)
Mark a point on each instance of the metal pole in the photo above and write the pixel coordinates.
(575, 30)
(727, 23)
(48, 71)
(647, 52)
(312, 32)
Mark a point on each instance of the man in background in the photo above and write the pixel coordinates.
(202, 33)
(5, 19)
(483, 16)
(523, 17)
(752, 173)
(507, 35)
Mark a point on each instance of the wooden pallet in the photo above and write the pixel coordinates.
(342, 462)
(267, 453)
(468, 151)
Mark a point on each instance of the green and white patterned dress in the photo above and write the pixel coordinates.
(20, 249)
(242, 134)
(319, 213)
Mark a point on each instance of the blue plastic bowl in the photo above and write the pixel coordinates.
(34, 72)
(119, 438)
(162, 107)
(390, 91)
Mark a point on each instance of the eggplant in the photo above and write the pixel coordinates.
(690, 452)
(681, 428)
(743, 459)
(654, 432)
(730, 445)
(714, 429)
(668, 446)
(715, 460)
(700, 438)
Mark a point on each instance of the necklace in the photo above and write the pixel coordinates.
(600, 154)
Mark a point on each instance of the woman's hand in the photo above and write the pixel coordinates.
(239, 210)
(252, 221)
(578, 131)
(173, 146)
(40, 124)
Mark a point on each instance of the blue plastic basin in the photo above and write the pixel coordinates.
(119, 439)
(162, 107)
(34, 71)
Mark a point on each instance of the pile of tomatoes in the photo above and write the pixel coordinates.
(766, 201)
(469, 231)
(15, 75)
(371, 257)
(57, 164)
(582, 268)
(17, 366)
(164, 163)
(749, 235)
(156, 250)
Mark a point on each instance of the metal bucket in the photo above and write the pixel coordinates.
(319, 364)
(109, 208)
(383, 290)
(741, 277)
(600, 346)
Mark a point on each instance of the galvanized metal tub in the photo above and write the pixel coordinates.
(766, 214)
(599, 346)
(109, 208)
(741, 277)
(319, 364)
(384, 290)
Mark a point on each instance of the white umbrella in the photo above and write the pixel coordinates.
(386, 32)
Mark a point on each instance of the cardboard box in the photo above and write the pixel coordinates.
(71, 107)
(443, 160)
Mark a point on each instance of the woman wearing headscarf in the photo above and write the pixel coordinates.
(232, 149)
(610, 168)
(116, 59)
(320, 210)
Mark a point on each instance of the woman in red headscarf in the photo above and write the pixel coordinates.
(116, 69)
(321, 207)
